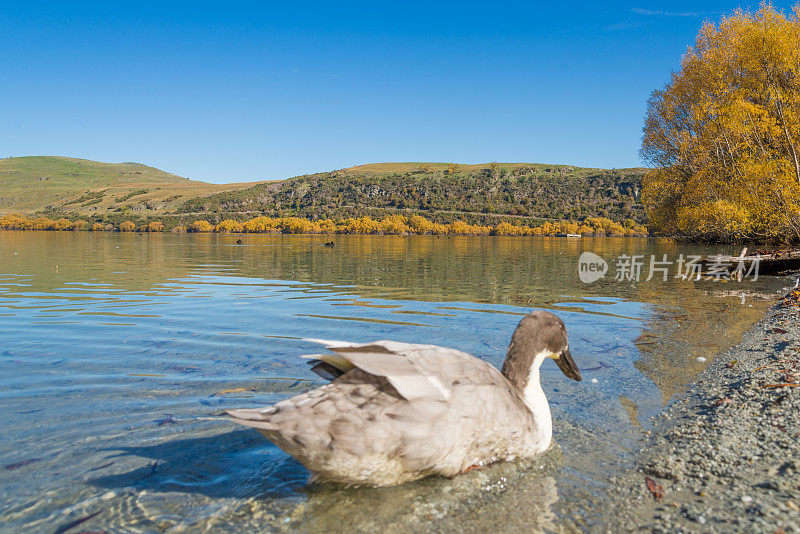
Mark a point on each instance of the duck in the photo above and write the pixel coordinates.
(396, 412)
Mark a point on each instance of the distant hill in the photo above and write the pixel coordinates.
(38, 183)
(440, 191)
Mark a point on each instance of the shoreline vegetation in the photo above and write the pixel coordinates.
(398, 225)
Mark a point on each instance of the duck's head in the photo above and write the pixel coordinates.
(538, 336)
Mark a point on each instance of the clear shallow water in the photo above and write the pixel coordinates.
(118, 352)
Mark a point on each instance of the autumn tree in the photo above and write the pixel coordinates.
(723, 136)
(201, 227)
(229, 226)
(392, 225)
(260, 225)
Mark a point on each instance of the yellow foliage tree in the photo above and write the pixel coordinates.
(42, 223)
(395, 225)
(260, 225)
(16, 222)
(296, 225)
(201, 227)
(62, 224)
(506, 228)
(229, 226)
(420, 225)
(327, 226)
(392, 225)
(462, 228)
(362, 225)
(724, 134)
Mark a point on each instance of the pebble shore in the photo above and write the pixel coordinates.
(726, 456)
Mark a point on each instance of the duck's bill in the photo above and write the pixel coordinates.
(567, 365)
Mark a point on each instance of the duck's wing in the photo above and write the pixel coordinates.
(458, 410)
(400, 410)
(416, 371)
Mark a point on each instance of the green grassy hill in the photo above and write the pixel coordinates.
(440, 191)
(39, 183)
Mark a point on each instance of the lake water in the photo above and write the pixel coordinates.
(119, 351)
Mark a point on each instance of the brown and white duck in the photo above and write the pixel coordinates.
(396, 412)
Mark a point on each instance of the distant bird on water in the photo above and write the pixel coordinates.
(329, 244)
(238, 241)
(396, 412)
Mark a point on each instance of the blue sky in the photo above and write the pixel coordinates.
(241, 91)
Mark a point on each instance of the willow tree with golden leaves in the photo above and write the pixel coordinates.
(723, 136)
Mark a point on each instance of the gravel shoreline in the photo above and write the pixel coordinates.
(726, 456)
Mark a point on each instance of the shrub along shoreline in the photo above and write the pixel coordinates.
(393, 225)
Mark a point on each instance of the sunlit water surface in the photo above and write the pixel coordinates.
(119, 351)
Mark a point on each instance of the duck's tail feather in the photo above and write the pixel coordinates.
(325, 370)
(329, 366)
(329, 343)
(254, 417)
